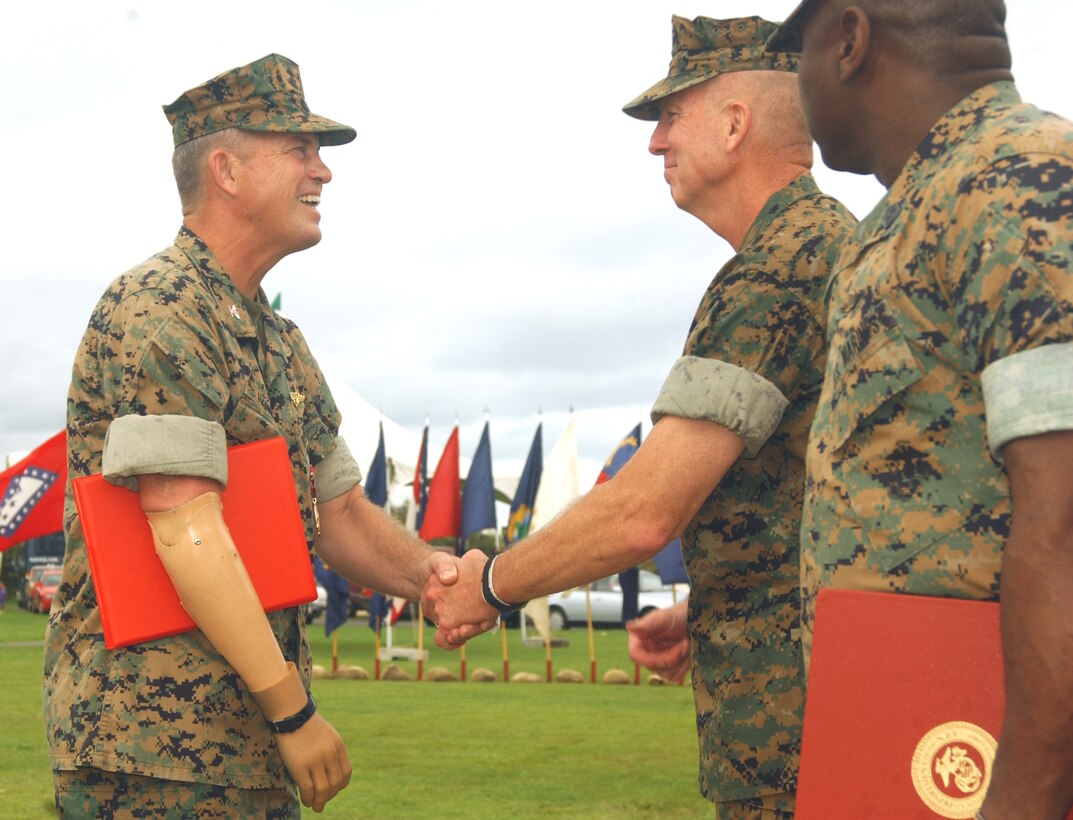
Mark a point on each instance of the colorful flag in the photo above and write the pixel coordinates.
(443, 510)
(338, 608)
(478, 494)
(521, 508)
(626, 448)
(31, 493)
(376, 480)
(628, 580)
(421, 482)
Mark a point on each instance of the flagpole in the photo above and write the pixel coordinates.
(503, 648)
(420, 642)
(376, 645)
(335, 652)
(592, 641)
(547, 655)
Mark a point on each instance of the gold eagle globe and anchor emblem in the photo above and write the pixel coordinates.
(951, 768)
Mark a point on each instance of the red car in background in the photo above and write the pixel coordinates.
(43, 589)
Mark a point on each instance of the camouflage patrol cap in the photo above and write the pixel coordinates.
(265, 95)
(704, 47)
(787, 36)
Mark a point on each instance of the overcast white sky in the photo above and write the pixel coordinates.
(497, 237)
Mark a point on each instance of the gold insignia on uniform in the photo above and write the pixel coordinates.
(297, 398)
(951, 768)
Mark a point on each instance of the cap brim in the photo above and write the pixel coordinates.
(645, 106)
(329, 131)
(787, 37)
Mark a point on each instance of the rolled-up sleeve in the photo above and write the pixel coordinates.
(165, 445)
(1028, 393)
(711, 390)
(337, 472)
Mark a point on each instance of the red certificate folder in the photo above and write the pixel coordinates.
(135, 597)
(904, 705)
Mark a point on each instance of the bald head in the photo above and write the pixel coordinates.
(778, 125)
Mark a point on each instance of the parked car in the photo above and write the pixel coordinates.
(43, 589)
(33, 575)
(566, 609)
(318, 606)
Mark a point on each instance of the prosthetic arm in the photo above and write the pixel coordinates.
(206, 570)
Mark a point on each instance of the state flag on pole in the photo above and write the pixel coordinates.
(478, 493)
(443, 510)
(521, 508)
(417, 509)
(338, 608)
(627, 580)
(626, 448)
(31, 493)
(376, 481)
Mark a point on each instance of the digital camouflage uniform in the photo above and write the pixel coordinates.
(951, 333)
(176, 365)
(753, 362)
(175, 338)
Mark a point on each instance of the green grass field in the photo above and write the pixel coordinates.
(440, 750)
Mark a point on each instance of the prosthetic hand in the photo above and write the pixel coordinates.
(206, 570)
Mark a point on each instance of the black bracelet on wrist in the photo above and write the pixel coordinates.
(488, 592)
(295, 721)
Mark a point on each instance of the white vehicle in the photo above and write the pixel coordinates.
(566, 609)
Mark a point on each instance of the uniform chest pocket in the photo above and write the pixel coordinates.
(872, 378)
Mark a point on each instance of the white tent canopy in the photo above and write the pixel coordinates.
(360, 427)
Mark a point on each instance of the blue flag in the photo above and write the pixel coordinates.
(421, 480)
(629, 581)
(626, 448)
(379, 606)
(338, 609)
(669, 564)
(376, 481)
(478, 494)
(521, 509)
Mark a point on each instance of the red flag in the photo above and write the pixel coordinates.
(443, 512)
(31, 493)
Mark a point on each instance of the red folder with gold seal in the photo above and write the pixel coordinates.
(135, 597)
(903, 709)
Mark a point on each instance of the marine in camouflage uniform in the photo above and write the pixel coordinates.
(950, 371)
(751, 370)
(174, 338)
(177, 363)
(753, 363)
(755, 348)
(941, 352)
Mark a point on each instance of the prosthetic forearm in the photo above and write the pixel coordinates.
(207, 572)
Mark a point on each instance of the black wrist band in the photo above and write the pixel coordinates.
(489, 594)
(295, 721)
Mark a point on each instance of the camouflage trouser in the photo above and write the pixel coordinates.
(92, 793)
(778, 806)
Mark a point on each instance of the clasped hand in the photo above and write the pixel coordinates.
(458, 609)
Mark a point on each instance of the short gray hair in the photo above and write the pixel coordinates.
(188, 160)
